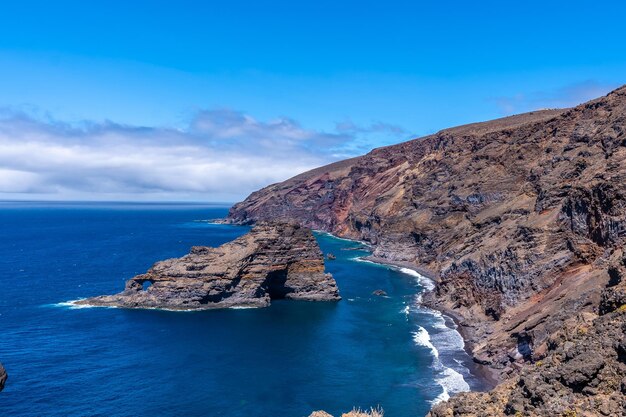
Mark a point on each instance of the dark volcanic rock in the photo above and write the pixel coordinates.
(3, 377)
(583, 374)
(272, 261)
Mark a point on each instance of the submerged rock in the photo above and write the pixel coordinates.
(330, 257)
(380, 293)
(272, 261)
(3, 377)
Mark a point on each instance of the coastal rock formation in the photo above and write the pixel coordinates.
(519, 220)
(582, 374)
(272, 261)
(3, 377)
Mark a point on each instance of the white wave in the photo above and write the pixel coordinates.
(422, 338)
(406, 311)
(362, 242)
(242, 307)
(447, 338)
(425, 282)
(367, 261)
(71, 304)
(452, 382)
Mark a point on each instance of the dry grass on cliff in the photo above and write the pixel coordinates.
(373, 412)
(356, 412)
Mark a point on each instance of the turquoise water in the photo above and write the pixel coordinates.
(285, 360)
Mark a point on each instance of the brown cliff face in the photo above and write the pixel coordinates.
(582, 373)
(516, 218)
(272, 261)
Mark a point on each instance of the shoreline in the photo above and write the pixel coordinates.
(486, 375)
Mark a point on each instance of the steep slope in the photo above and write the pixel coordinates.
(582, 374)
(515, 218)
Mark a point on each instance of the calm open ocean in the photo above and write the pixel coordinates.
(285, 360)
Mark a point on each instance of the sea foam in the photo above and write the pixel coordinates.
(422, 338)
(450, 380)
(445, 338)
(71, 304)
(425, 282)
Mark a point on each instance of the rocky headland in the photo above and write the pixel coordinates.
(521, 222)
(273, 261)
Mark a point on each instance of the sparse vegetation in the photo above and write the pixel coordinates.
(356, 412)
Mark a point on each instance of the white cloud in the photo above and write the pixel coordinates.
(221, 156)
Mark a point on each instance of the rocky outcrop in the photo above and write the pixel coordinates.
(272, 261)
(520, 221)
(3, 377)
(583, 373)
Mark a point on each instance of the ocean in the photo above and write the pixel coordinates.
(285, 360)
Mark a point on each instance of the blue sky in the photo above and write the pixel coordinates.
(87, 87)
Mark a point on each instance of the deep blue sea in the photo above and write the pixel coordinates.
(285, 360)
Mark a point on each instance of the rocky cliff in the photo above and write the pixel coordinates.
(272, 261)
(582, 373)
(518, 219)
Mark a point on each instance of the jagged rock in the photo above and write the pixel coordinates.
(272, 261)
(380, 293)
(330, 257)
(3, 377)
(582, 374)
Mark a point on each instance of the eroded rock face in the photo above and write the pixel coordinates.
(272, 261)
(517, 218)
(582, 374)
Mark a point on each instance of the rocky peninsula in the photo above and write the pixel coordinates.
(521, 222)
(273, 261)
